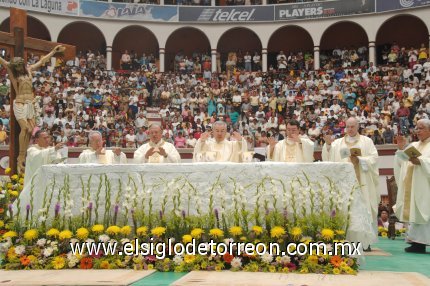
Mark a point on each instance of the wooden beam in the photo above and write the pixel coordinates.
(18, 18)
(7, 39)
(46, 46)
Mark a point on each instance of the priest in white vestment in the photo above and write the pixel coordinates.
(413, 182)
(97, 154)
(219, 149)
(294, 148)
(365, 164)
(156, 150)
(40, 154)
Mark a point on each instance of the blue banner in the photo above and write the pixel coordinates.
(128, 11)
(389, 5)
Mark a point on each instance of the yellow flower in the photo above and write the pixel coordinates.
(82, 233)
(53, 232)
(32, 258)
(277, 232)
(126, 230)
(10, 234)
(142, 231)
(7, 171)
(1, 223)
(98, 228)
(58, 262)
(197, 233)
(158, 231)
(216, 233)
(189, 258)
(340, 232)
(113, 230)
(296, 232)
(235, 230)
(313, 259)
(150, 266)
(14, 193)
(187, 238)
(104, 264)
(272, 269)
(31, 234)
(14, 177)
(11, 253)
(257, 229)
(384, 234)
(336, 271)
(21, 181)
(327, 234)
(65, 234)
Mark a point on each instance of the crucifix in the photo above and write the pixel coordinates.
(23, 105)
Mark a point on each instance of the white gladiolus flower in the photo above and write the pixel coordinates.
(177, 259)
(48, 251)
(41, 242)
(236, 262)
(20, 250)
(104, 238)
(285, 259)
(267, 258)
(42, 218)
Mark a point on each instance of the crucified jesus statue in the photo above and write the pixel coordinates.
(24, 104)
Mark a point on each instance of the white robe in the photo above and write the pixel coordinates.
(89, 156)
(367, 169)
(224, 151)
(419, 203)
(172, 154)
(36, 157)
(288, 151)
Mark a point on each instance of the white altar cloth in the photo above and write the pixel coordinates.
(161, 181)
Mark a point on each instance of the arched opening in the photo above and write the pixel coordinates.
(344, 44)
(295, 42)
(185, 43)
(137, 40)
(239, 41)
(85, 36)
(402, 31)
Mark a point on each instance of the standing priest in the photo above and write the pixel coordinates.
(97, 153)
(219, 149)
(412, 173)
(292, 149)
(361, 152)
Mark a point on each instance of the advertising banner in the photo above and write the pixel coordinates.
(388, 5)
(61, 7)
(129, 11)
(323, 9)
(226, 14)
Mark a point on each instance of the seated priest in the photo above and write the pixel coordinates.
(40, 154)
(97, 154)
(156, 150)
(292, 149)
(218, 148)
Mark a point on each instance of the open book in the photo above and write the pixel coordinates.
(412, 152)
(355, 151)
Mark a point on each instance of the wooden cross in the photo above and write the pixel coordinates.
(19, 42)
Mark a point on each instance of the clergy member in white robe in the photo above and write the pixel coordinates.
(365, 165)
(413, 182)
(219, 149)
(98, 155)
(156, 150)
(293, 149)
(40, 154)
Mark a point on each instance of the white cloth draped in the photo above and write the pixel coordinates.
(159, 181)
(89, 156)
(224, 151)
(36, 157)
(418, 211)
(172, 154)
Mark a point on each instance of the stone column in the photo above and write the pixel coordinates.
(109, 58)
(162, 52)
(264, 60)
(316, 57)
(213, 60)
(372, 53)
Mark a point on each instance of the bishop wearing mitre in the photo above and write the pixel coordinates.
(219, 149)
(361, 152)
(156, 150)
(412, 173)
(293, 148)
(98, 155)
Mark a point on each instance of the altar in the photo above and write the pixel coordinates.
(232, 193)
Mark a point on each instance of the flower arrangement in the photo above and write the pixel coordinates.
(383, 232)
(10, 188)
(28, 242)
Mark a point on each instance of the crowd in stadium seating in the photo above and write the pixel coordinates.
(79, 96)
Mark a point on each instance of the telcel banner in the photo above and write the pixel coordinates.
(226, 14)
(388, 5)
(61, 7)
(323, 9)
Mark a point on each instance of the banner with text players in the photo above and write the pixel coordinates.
(323, 9)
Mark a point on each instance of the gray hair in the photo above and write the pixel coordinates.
(220, 123)
(152, 125)
(425, 122)
(94, 134)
